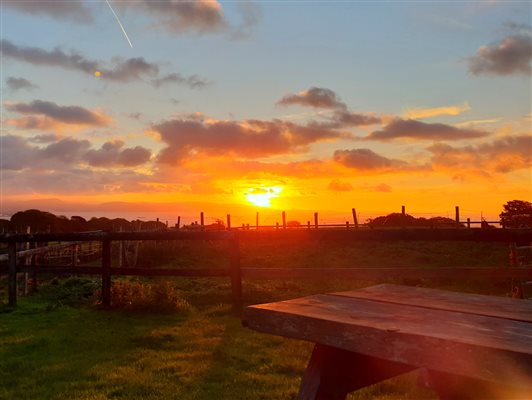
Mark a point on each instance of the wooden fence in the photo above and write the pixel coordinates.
(237, 273)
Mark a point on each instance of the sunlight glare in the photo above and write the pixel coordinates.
(261, 196)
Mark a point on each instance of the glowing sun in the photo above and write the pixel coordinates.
(261, 196)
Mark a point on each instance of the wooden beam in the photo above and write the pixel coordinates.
(12, 277)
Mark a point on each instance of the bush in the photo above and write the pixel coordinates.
(72, 291)
(138, 296)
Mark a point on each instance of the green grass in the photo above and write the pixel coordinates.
(53, 348)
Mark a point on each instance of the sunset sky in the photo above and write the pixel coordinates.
(233, 107)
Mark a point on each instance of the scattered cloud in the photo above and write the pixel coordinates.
(119, 70)
(502, 155)
(324, 98)
(338, 186)
(58, 10)
(510, 56)
(13, 84)
(366, 159)
(248, 138)
(113, 154)
(251, 16)
(63, 114)
(178, 17)
(314, 97)
(400, 128)
(193, 82)
(419, 113)
(19, 153)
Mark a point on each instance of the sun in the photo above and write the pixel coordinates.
(261, 196)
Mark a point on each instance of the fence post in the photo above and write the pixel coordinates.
(316, 220)
(202, 221)
(284, 220)
(469, 222)
(12, 271)
(236, 276)
(457, 214)
(257, 220)
(178, 221)
(403, 210)
(228, 221)
(106, 272)
(347, 225)
(355, 219)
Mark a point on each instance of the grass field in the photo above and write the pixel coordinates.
(56, 345)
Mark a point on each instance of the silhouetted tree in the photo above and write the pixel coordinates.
(516, 214)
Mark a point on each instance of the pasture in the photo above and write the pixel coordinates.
(59, 344)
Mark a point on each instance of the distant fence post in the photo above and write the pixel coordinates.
(257, 220)
(106, 272)
(469, 222)
(355, 219)
(236, 275)
(228, 221)
(457, 214)
(202, 221)
(316, 220)
(284, 220)
(178, 222)
(12, 274)
(403, 210)
(347, 225)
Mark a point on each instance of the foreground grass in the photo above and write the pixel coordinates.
(49, 350)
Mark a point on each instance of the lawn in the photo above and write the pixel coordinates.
(55, 345)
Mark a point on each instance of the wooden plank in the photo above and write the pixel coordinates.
(386, 273)
(106, 273)
(501, 307)
(485, 348)
(126, 271)
(12, 274)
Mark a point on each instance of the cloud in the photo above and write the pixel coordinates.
(366, 160)
(314, 97)
(46, 138)
(383, 188)
(251, 16)
(59, 10)
(502, 155)
(348, 118)
(64, 114)
(121, 70)
(178, 17)
(247, 139)
(417, 113)
(510, 56)
(112, 154)
(13, 84)
(400, 128)
(63, 153)
(194, 81)
(339, 186)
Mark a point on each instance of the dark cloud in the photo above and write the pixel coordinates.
(400, 128)
(512, 55)
(59, 10)
(45, 138)
(194, 81)
(327, 99)
(247, 139)
(314, 97)
(63, 114)
(383, 188)
(18, 153)
(348, 118)
(500, 156)
(339, 186)
(113, 154)
(121, 70)
(15, 84)
(177, 17)
(366, 159)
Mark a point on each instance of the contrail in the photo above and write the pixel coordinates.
(117, 20)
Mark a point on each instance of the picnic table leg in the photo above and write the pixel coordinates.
(332, 373)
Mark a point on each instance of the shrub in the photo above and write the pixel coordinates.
(138, 296)
(72, 291)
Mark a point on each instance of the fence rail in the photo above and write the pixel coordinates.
(237, 273)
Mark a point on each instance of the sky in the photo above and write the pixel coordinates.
(176, 107)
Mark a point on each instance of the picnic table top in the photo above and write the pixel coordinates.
(477, 336)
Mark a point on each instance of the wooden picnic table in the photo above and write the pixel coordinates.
(467, 346)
